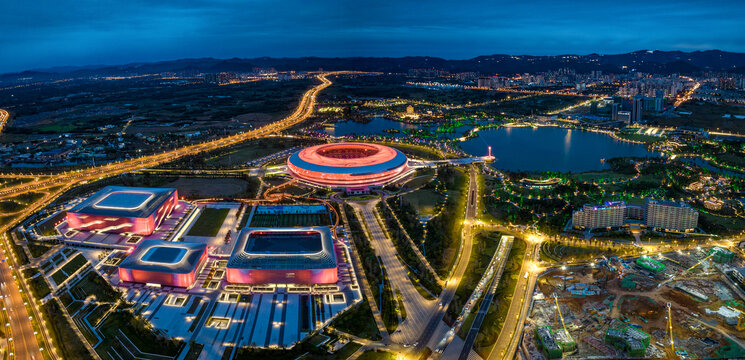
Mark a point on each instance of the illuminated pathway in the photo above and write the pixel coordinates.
(417, 307)
(434, 330)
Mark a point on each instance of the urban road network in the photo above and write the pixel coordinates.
(423, 327)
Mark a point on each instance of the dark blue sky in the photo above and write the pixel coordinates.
(43, 33)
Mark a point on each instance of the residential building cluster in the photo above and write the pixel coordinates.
(654, 214)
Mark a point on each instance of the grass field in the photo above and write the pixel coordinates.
(424, 200)
(358, 321)
(68, 344)
(9, 206)
(38, 249)
(254, 150)
(209, 222)
(640, 137)
(601, 176)
(39, 287)
(69, 268)
(46, 228)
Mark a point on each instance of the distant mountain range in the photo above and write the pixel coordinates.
(659, 62)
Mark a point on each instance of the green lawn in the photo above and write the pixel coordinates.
(209, 222)
(39, 287)
(640, 137)
(347, 350)
(67, 343)
(443, 231)
(138, 331)
(9, 206)
(377, 355)
(94, 284)
(358, 321)
(424, 200)
(38, 249)
(69, 268)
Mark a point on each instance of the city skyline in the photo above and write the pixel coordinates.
(112, 33)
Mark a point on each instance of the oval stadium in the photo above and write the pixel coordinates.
(344, 165)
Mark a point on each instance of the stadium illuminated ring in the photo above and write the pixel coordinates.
(343, 165)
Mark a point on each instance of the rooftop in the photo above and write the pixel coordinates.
(284, 249)
(283, 243)
(164, 256)
(124, 201)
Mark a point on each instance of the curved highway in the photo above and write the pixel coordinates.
(24, 339)
(302, 112)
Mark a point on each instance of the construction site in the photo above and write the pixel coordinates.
(683, 304)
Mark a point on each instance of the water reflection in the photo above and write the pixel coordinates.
(551, 149)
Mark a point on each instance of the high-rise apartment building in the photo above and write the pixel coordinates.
(669, 215)
(610, 214)
(637, 109)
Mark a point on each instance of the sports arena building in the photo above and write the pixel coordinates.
(164, 263)
(117, 209)
(347, 165)
(283, 256)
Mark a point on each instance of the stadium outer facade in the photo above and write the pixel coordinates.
(283, 256)
(347, 165)
(118, 209)
(164, 263)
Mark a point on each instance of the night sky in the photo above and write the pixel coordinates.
(45, 33)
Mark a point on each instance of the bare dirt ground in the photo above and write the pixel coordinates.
(206, 187)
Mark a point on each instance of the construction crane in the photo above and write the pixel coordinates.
(686, 270)
(668, 259)
(558, 310)
(740, 319)
(702, 260)
(670, 327)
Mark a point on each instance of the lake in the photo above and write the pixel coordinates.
(551, 149)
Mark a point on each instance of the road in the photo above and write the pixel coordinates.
(505, 245)
(302, 112)
(417, 307)
(24, 339)
(26, 346)
(512, 329)
(448, 292)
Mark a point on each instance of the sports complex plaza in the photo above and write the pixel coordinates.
(250, 272)
(266, 276)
